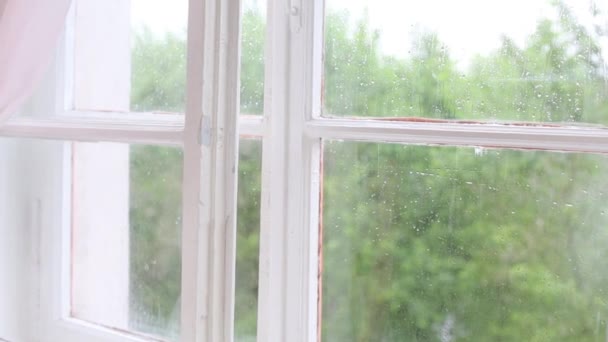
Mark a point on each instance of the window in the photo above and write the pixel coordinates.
(107, 257)
(397, 174)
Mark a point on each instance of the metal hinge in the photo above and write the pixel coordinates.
(206, 133)
(295, 13)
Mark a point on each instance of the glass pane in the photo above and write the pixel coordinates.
(130, 55)
(248, 238)
(158, 55)
(534, 60)
(252, 56)
(126, 255)
(456, 244)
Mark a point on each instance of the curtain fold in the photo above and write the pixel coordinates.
(29, 31)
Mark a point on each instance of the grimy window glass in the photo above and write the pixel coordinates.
(463, 244)
(126, 237)
(537, 61)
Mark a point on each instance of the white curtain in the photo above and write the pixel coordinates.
(29, 31)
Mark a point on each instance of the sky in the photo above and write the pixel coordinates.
(467, 27)
(160, 15)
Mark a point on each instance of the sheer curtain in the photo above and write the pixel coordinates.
(29, 30)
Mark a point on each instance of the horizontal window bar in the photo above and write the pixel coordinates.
(148, 128)
(251, 125)
(87, 130)
(168, 131)
(557, 138)
(158, 118)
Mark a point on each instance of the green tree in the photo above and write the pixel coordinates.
(158, 76)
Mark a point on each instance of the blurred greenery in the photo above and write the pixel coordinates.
(155, 239)
(438, 242)
(158, 76)
(420, 243)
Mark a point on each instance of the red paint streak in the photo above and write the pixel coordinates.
(466, 122)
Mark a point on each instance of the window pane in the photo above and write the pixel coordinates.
(248, 238)
(533, 60)
(158, 55)
(252, 56)
(126, 259)
(130, 55)
(456, 244)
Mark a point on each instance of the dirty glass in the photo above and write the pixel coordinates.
(533, 60)
(252, 56)
(462, 244)
(158, 55)
(157, 60)
(128, 56)
(248, 240)
(126, 237)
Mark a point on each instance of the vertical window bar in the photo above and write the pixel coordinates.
(287, 309)
(210, 154)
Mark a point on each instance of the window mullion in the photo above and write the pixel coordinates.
(210, 157)
(287, 301)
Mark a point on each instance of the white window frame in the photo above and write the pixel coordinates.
(293, 133)
(207, 133)
(292, 130)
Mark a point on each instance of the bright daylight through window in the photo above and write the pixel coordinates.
(370, 170)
